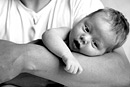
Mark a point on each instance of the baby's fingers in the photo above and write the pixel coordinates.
(68, 66)
(80, 70)
(72, 67)
(75, 70)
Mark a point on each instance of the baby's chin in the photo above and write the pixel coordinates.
(86, 54)
(91, 55)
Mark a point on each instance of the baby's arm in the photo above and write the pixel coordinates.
(53, 39)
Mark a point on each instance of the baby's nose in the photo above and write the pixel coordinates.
(85, 39)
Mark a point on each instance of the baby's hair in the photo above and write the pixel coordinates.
(119, 24)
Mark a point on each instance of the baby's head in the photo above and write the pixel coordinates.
(100, 32)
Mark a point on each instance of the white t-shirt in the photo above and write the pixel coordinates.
(21, 25)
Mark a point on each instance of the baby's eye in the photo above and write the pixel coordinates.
(86, 28)
(95, 45)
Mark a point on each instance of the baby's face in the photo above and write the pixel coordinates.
(92, 36)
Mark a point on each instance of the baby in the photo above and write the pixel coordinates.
(100, 32)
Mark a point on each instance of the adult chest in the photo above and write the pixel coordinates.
(21, 25)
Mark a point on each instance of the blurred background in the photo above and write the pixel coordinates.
(124, 7)
(121, 5)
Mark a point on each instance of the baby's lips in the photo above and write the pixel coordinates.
(76, 44)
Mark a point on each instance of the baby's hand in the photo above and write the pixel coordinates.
(72, 66)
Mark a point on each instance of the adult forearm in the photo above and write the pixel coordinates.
(110, 70)
(35, 59)
(9, 54)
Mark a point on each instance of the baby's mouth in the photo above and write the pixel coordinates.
(76, 44)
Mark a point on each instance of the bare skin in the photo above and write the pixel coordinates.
(37, 60)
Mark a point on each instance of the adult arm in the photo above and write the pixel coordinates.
(110, 69)
(9, 54)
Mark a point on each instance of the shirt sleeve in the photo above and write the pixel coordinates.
(81, 8)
